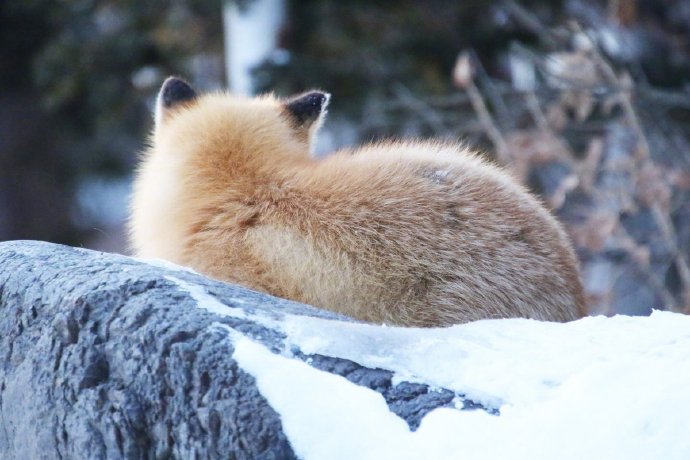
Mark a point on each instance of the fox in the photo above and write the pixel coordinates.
(417, 233)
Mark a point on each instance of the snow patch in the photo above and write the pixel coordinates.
(208, 302)
(323, 415)
(160, 263)
(597, 388)
(508, 361)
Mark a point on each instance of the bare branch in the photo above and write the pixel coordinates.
(480, 108)
(531, 23)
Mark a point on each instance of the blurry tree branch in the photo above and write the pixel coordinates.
(531, 23)
(627, 214)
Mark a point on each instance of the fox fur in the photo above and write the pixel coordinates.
(413, 233)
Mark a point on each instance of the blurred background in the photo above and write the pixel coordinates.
(588, 102)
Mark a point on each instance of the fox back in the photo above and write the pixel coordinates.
(414, 233)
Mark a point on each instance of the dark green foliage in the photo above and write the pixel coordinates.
(72, 104)
(78, 79)
(361, 48)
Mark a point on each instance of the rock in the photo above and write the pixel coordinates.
(104, 356)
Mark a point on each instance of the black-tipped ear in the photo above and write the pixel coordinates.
(307, 108)
(174, 92)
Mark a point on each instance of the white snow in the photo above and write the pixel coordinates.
(611, 388)
(161, 263)
(595, 388)
(324, 415)
(208, 302)
(514, 361)
(619, 391)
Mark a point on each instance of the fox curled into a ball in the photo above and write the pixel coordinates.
(413, 233)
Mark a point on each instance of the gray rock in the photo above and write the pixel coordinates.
(103, 356)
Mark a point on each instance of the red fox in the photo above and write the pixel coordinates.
(413, 233)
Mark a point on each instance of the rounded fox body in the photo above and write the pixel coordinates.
(402, 233)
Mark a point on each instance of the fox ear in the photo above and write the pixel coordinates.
(173, 94)
(307, 111)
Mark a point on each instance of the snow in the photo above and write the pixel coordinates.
(161, 263)
(614, 388)
(325, 414)
(514, 361)
(207, 302)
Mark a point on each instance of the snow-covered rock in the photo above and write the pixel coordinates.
(104, 356)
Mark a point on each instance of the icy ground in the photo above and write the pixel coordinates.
(597, 388)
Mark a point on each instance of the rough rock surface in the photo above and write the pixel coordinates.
(104, 356)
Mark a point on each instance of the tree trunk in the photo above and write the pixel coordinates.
(104, 356)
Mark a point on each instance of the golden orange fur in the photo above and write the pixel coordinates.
(405, 233)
